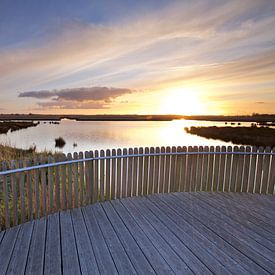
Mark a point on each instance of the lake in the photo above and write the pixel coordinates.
(91, 135)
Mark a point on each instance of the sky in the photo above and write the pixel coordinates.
(137, 57)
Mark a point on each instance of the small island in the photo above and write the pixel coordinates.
(254, 136)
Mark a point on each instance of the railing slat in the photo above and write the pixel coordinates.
(130, 174)
(217, 159)
(151, 171)
(94, 184)
(76, 182)
(114, 174)
(82, 181)
(6, 196)
(70, 181)
(124, 173)
(102, 178)
(188, 170)
(156, 171)
(210, 169)
(194, 169)
(162, 171)
(259, 170)
(221, 177)
(50, 187)
(271, 178)
(135, 173)
(252, 171)
(246, 169)
(118, 183)
(171, 187)
(145, 172)
(183, 170)
(228, 168)
(167, 169)
(63, 186)
(266, 166)
(22, 192)
(108, 175)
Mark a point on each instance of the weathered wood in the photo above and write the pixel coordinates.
(183, 170)
(64, 201)
(189, 161)
(266, 171)
(14, 195)
(22, 193)
(135, 173)
(118, 175)
(108, 175)
(234, 171)
(89, 173)
(70, 181)
(246, 169)
(162, 170)
(216, 172)
(210, 169)
(259, 170)
(94, 166)
(252, 171)
(199, 170)
(82, 182)
(76, 182)
(43, 192)
(228, 168)
(6, 196)
(194, 169)
(151, 171)
(240, 171)
(124, 173)
(114, 175)
(167, 169)
(271, 177)
(221, 177)
(50, 187)
(102, 176)
(130, 174)
(205, 159)
(57, 188)
(156, 171)
(145, 172)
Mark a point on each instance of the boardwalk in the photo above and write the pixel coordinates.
(177, 233)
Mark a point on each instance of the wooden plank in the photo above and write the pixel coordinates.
(240, 174)
(70, 181)
(53, 258)
(7, 247)
(35, 263)
(271, 177)
(162, 170)
(114, 174)
(156, 171)
(151, 253)
(221, 177)
(95, 185)
(252, 171)
(94, 166)
(118, 174)
(88, 179)
(266, 167)
(189, 161)
(22, 193)
(102, 254)
(209, 232)
(246, 169)
(194, 169)
(166, 248)
(70, 261)
(108, 175)
(19, 256)
(43, 192)
(50, 186)
(217, 159)
(259, 170)
(234, 171)
(135, 173)
(151, 171)
(119, 256)
(210, 169)
(14, 194)
(82, 188)
(64, 200)
(205, 159)
(199, 169)
(57, 187)
(228, 168)
(76, 182)
(167, 169)
(171, 184)
(102, 176)
(29, 190)
(138, 259)
(186, 235)
(6, 197)
(183, 170)
(130, 174)
(145, 172)
(124, 173)
(87, 260)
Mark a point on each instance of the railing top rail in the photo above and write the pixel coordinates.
(54, 164)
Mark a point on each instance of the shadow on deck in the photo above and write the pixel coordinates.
(178, 233)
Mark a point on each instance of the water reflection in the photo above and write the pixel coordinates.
(91, 135)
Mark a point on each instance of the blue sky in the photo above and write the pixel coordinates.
(134, 56)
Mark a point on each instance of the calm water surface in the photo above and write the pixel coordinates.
(91, 135)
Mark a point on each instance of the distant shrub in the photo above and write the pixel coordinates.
(60, 142)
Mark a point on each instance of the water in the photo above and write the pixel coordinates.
(91, 135)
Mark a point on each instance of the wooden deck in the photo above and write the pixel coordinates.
(177, 233)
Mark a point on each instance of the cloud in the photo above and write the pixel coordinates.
(260, 102)
(77, 98)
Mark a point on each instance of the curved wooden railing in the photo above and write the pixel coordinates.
(34, 188)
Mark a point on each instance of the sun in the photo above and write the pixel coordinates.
(181, 101)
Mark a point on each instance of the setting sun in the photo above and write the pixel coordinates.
(182, 101)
